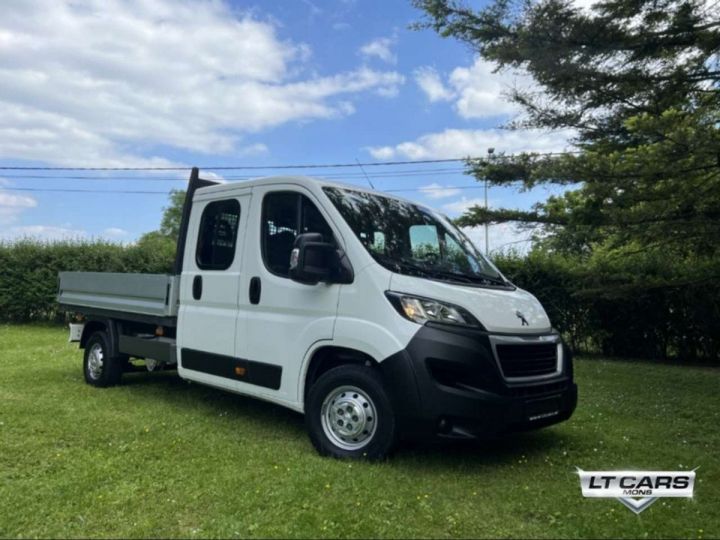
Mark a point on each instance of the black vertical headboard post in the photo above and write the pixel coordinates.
(194, 183)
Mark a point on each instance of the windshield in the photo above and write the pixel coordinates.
(409, 239)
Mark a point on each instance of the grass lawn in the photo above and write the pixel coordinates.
(158, 457)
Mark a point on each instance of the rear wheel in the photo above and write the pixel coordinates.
(349, 414)
(99, 367)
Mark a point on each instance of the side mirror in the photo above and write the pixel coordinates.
(312, 261)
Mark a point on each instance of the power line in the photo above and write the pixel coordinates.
(239, 167)
(427, 189)
(390, 174)
(424, 189)
(71, 190)
(266, 167)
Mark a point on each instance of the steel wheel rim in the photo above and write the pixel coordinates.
(349, 417)
(95, 361)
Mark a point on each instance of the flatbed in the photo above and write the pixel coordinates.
(149, 297)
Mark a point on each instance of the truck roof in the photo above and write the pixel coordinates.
(307, 181)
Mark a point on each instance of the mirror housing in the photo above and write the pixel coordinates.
(313, 261)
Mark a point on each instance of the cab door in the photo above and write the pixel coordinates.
(210, 325)
(284, 318)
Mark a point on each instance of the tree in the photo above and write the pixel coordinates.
(165, 239)
(638, 81)
(172, 215)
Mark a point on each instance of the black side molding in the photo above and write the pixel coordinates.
(238, 369)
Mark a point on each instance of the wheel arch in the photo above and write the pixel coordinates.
(108, 326)
(396, 371)
(327, 356)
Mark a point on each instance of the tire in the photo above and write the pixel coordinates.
(349, 414)
(99, 367)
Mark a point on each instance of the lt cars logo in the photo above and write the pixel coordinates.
(636, 489)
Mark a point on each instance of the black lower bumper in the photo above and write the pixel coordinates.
(448, 383)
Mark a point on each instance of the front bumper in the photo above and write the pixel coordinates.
(448, 383)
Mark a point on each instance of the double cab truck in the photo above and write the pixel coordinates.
(374, 316)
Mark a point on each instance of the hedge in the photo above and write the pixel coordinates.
(612, 307)
(29, 271)
(639, 307)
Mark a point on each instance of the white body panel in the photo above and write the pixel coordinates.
(495, 309)
(290, 316)
(293, 320)
(212, 323)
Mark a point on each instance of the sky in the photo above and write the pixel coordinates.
(148, 83)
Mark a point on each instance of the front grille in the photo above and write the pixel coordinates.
(527, 360)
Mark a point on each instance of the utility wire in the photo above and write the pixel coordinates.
(391, 174)
(71, 190)
(266, 167)
(425, 189)
(237, 167)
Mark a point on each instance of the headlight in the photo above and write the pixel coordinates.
(422, 310)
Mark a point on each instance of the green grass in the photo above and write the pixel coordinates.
(158, 457)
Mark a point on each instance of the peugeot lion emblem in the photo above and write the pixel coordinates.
(519, 315)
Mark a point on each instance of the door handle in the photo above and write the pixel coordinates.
(255, 290)
(197, 287)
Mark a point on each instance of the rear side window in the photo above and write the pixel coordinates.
(218, 235)
(285, 215)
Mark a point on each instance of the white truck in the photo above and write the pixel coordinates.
(374, 316)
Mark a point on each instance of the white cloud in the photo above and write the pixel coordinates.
(381, 152)
(114, 232)
(257, 149)
(436, 191)
(429, 81)
(476, 90)
(482, 93)
(42, 232)
(215, 177)
(501, 237)
(11, 206)
(388, 92)
(461, 205)
(380, 48)
(585, 5)
(103, 81)
(454, 143)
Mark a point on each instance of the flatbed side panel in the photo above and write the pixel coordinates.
(147, 294)
(121, 316)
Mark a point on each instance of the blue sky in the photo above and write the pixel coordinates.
(175, 82)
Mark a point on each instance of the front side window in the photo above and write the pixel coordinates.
(285, 215)
(424, 241)
(218, 235)
(410, 239)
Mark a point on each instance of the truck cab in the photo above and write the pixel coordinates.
(374, 316)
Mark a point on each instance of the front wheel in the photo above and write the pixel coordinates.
(349, 414)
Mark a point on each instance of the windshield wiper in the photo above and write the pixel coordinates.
(449, 275)
(484, 278)
(404, 264)
(408, 265)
